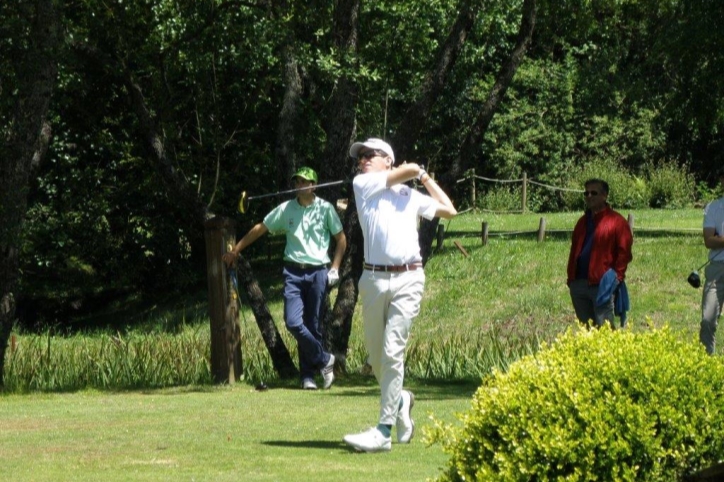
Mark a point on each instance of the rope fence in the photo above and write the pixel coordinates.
(472, 177)
(484, 234)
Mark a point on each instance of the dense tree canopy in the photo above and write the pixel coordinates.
(162, 112)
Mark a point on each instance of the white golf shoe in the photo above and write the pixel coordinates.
(328, 372)
(405, 425)
(370, 440)
(308, 384)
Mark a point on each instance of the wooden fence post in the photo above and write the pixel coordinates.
(525, 191)
(460, 248)
(226, 361)
(631, 221)
(542, 230)
(485, 233)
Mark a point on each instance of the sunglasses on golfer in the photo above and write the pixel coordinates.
(370, 155)
(590, 193)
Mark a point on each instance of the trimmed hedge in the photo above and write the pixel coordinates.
(600, 405)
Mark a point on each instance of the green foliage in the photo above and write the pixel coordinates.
(599, 405)
(617, 83)
(669, 185)
(705, 193)
(663, 186)
(107, 361)
(501, 198)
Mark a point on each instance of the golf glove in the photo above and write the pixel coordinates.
(332, 277)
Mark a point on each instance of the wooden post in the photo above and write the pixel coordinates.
(226, 361)
(460, 247)
(631, 221)
(485, 233)
(440, 235)
(542, 230)
(525, 191)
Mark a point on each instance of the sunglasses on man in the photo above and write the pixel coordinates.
(370, 155)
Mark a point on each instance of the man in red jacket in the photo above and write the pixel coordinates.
(601, 242)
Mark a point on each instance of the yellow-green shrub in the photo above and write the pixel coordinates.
(597, 405)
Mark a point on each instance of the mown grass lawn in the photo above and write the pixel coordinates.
(215, 434)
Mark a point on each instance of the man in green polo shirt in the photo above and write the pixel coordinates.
(309, 224)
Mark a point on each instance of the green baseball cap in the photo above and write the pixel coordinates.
(306, 173)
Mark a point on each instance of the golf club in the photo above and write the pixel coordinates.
(694, 279)
(244, 199)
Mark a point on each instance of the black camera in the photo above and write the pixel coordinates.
(694, 279)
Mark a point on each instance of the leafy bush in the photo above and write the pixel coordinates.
(670, 186)
(625, 190)
(502, 198)
(705, 193)
(599, 405)
(508, 198)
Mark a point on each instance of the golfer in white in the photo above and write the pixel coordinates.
(393, 280)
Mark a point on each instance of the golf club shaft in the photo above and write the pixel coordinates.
(289, 191)
(708, 261)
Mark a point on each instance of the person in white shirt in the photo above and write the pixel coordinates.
(713, 297)
(392, 283)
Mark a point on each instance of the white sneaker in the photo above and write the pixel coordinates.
(405, 425)
(328, 372)
(370, 440)
(308, 384)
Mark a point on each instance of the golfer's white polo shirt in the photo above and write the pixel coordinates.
(388, 217)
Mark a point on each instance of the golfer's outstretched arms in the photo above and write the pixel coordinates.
(403, 173)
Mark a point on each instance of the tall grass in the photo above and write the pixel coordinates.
(108, 361)
(479, 312)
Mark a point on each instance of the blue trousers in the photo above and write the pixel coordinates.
(304, 292)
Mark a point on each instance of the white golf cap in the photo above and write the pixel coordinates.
(372, 143)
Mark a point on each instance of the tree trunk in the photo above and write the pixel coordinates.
(281, 359)
(181, 190)
(418, 114)
(505, 76)
(338, 322)
(288, 117)
(24, 147)
(340, 125)
(339, 119)
(472, 142)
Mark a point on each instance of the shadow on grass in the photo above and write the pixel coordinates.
(309, 444)
(357, 385)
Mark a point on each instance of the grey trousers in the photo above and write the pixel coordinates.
(390, 302)
(711, 304)
(583, 297)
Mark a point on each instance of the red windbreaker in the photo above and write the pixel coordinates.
(612, 240)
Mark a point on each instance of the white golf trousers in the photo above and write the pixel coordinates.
(390, 301)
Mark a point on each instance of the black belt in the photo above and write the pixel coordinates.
(393, 268)
(292, 264)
